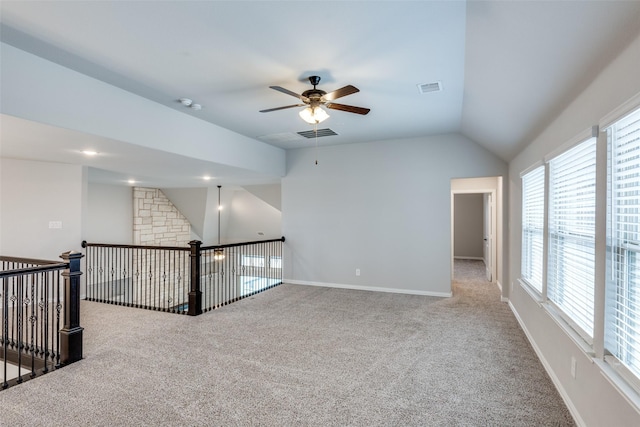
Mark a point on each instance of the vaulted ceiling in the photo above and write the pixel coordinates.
(505, 68)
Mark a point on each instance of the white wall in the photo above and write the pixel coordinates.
(32, 194)
(250, 216)
(109, 214)
(592, 399)
(381, 207)
(468, 219)
(32, 88)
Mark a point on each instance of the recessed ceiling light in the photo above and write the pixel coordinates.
(206, 177)
(89, 152)
(131, 181)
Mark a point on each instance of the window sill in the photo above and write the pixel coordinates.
(578, 340)
(583, 345)
(618, 382)
(534, 294)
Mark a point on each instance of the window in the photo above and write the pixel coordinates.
(571, 234)
(533, 227)
(275, 262)
(622, 315)
(252, 261)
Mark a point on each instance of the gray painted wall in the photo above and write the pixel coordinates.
(468, 214)
(31, 195)
(110, 208)
(590, 396)
(250, 216)
(381, 207)
(109, 214)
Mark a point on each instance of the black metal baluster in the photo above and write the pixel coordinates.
(185, 283)
(180, 294)
(117, 286)
(44, 313)
(130, 287)
(19, 314)
(217, 281)
(226, 274)
(5, 329)
(145, 277)
(57, 323)
(91, 295)
(100, 284)
(32, 319)
(165, 267)
(154, 286)
(170, 297)
(158, 281)
(139, 277)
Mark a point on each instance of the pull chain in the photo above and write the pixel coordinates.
(315, 126)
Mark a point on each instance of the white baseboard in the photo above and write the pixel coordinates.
(502, 298)
(474, 258)
(565, 397)
(369, 288)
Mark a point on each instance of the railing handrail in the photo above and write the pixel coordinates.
(34, 302)
(160, 280)
(27, 260)
(31, 270)
(178, 248)
(230, 245)
(110, 245)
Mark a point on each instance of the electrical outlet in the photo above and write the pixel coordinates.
(55, 224)
(357, 271)
(574, 364)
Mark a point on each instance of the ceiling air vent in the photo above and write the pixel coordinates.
(321, 132)
(430, 87)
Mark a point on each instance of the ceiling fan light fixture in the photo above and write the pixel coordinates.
(313, 115)
(218, 254)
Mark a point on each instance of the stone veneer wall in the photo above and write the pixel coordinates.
(156, 221)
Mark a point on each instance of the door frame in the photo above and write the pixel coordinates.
(488, 231)
(483, 185)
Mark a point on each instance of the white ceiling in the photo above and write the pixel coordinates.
(506, 68)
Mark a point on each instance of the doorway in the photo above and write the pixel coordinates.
(476, 215)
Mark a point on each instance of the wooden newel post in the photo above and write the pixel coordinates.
(71, 333)
(195, 294)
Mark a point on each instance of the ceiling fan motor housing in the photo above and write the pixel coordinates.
(313, 96)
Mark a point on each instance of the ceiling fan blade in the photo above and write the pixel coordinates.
(348, 108)
(281, 108)
(339, 93)
(288, 92)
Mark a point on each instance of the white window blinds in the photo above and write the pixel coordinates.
(533, 227)
(622, 322)
(571, 232)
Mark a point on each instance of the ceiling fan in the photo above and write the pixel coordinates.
(314, 98)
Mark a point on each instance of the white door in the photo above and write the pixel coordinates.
(488, 235)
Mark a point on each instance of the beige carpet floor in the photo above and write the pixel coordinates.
(301, 356)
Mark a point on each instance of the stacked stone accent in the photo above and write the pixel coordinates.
(158, 281)
(156, 221)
